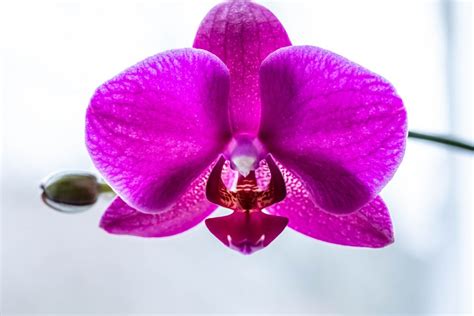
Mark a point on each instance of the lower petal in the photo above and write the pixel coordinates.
(370, 226)
(191, 209)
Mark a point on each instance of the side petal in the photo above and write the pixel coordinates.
(155, 127)
(188, 211)
(242, 34)
(338, 126)
(370, 226)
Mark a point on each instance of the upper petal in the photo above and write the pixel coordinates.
(338, 126)
(370, 226)
(242, 34)
(155, 127)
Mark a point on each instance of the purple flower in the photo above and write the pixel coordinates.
(299, 131)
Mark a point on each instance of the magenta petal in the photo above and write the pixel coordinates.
(242, 34)
(188, 211)
(338, 126)
(155, 127)
(122, 219)
(370, 226)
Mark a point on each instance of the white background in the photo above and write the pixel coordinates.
(55, 53)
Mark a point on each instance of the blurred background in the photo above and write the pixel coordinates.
(55, 53)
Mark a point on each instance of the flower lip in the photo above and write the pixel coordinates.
(247, 229)
(247, 232)
(246, 247)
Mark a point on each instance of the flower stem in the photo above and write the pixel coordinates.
(105, 188)
(442, 140)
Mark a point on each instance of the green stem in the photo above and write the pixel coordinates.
(442, 140)
(105, 188)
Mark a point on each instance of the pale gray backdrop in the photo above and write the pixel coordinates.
(55, 53)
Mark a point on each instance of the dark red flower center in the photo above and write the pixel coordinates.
(247, 229)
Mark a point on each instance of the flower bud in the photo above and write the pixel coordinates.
(71, 191)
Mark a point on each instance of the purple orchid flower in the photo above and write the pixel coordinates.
(246, 121)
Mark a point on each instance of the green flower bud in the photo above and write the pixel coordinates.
(72, 191)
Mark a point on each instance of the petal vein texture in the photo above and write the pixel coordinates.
(157, 126)
(242, 34)
(339, 127)
(370, 226)
(188, 211)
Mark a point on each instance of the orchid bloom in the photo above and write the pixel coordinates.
(246, 121)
